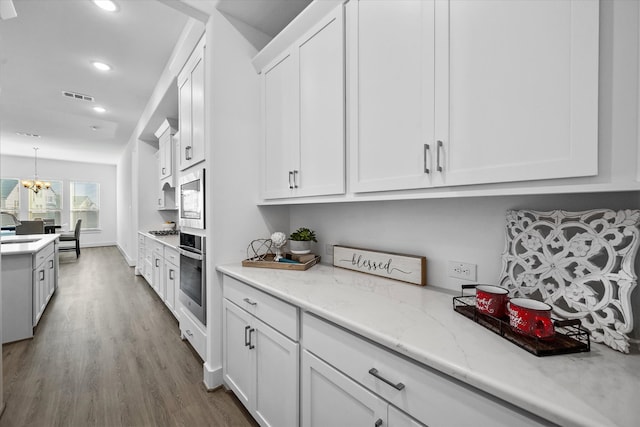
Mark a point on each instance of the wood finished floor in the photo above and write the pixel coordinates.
(107, 352)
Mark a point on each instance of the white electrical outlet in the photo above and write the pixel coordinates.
(462, 270)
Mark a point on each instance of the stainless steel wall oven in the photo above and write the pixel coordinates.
(193, 283)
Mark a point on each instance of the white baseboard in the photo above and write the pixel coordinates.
(212, 377)
(130, 261)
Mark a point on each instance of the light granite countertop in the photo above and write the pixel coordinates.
(25, 243)
(598, 388)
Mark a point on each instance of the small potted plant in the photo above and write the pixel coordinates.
(300, 241)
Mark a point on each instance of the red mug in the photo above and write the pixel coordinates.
(530, 317)
(491, 300)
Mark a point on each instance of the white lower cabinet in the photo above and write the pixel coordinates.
(193, 331)
(171, 276)
(43, 281)
(159, 264)
(330, 398)
(260, 363)
(410, 390)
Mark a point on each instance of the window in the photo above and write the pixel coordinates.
(85, 204)
(10, 189)
(46, 203)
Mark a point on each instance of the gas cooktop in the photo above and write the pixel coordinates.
(165, 232)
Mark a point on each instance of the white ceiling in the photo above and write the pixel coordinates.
(48, 47)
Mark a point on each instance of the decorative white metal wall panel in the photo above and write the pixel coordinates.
(581, 263)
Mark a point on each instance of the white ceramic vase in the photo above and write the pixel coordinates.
(299, 247)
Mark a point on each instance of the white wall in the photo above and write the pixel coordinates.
(234, 134)
(126, 208)
(105, 175)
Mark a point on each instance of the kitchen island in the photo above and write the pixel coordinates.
(596, 389)
(29, 280)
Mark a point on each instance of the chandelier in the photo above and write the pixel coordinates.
(35, 184)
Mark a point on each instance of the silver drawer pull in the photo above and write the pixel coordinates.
(426, 150)
(247, 341)
(248, 301)
(438, 149)
(374, 372)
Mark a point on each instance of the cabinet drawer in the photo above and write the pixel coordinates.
(193, 333)
(141, 239)
(43, 254)
(157, 248)
(431, 397)
(276, 313)
(171, 255)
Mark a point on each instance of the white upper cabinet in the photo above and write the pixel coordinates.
(166, 150)
(517, 90)
(471, 91)
(191, 109)
(303, 110)
(391, 92)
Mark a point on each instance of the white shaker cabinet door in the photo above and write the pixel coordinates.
(238, 371)
(397, 418)
(322, 120)
(276, 362)
(329, 398)
(391, 93)
(281, 126)
(516, 90)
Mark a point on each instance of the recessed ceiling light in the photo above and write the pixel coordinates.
(99, 109)
(101, 66)
(107, 5)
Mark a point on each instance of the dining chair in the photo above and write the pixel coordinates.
(72, 237)
(30, 227)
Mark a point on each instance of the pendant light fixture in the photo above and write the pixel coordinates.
(35, 184)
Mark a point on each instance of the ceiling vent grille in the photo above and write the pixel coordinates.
(77, 96)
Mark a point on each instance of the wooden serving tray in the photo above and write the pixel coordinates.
(270, 263)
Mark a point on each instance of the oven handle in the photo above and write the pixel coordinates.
(191, 255)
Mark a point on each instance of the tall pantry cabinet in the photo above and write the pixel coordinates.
(191, 105)
(471, 91)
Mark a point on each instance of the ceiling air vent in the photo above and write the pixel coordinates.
(78, 96)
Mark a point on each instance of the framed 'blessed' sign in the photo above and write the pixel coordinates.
(406, 268)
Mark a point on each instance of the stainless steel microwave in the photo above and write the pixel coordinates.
(191, 190)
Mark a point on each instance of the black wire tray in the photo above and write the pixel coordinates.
(569, 337)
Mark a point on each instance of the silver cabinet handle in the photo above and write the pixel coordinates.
(439, 148)
(157, 262)
(187, 152)
(248, 301)
(426, 149)
(374, 372)
(247, 341)
(290, 176)
(50, 263)
(295, 179)
(172, 274)
(41, 275)
(159, 202)
(251, 346)
(378, 422)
